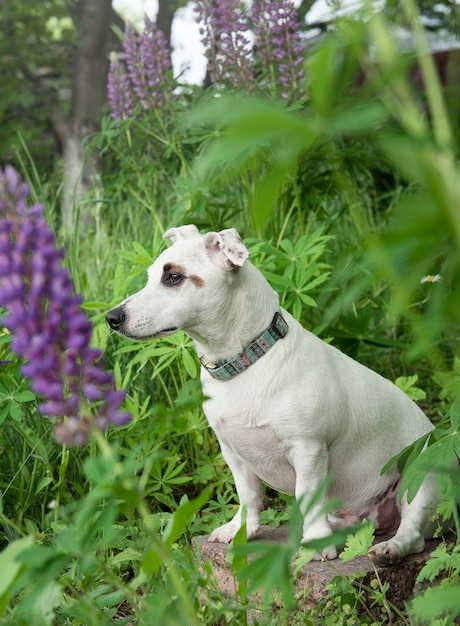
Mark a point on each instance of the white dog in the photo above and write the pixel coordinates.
(287, 408)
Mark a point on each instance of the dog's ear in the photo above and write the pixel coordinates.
(226, 249)
(182, 232)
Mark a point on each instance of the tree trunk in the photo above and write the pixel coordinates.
(89, 80)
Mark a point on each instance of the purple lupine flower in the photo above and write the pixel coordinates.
(119, 92)
(133, 60)
(50, 330)
(206, 18)
(155, 56)
(148, 63)
(279, 45)
(225, 36)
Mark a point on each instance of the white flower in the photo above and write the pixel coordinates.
(431, 278)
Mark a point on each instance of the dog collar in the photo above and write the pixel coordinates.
(252, 353)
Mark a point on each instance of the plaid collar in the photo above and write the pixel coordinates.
(252, 353)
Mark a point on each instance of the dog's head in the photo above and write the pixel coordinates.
(188, 285)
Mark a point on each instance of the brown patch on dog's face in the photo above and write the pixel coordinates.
(197, 281)
(173, 275)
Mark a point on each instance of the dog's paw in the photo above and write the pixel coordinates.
(392, 551)
(328, 554)
(319, 530)
(384, 553)
(225, 533)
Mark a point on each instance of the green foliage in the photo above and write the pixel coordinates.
(443, 559)
(407, 384)
(64, 578)
(34, 40)
(294, 270)
(433, 452)
(437, 607)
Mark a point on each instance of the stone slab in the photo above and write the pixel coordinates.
(318, 574)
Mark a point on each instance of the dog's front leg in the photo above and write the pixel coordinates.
(310, 461)
(249, 489)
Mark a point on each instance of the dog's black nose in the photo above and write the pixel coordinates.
(115, 318)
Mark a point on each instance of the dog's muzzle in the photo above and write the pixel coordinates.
(116, 318)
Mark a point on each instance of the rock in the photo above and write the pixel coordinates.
(318, 574)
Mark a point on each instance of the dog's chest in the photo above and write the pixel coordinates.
(263, 451)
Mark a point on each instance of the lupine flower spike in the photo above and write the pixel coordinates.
(119, 92)
(225, 35)
(146, 79)
(51, 333)
(279, 45)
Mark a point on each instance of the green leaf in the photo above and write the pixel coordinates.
(454, 413)
(38, 605)
(90, 530)
(183, 516)
(359, 119)
(319, 280)
(267, 191)
(125, 556)
(439, 455)
(25, 396)
(176, 525)
(4, 412)
(254, 132)
(281, 282)
(358, 543)
(333, 66)
(436, 603)
(143, 257)
(239, 560)
(441, 559)
(407, 455)
(44, 482)
(307, 300)
(15, 410)
(270, 569)
(407, 384)
(11, 569)
(94, 305)
(189, 363)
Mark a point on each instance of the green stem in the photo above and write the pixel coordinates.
(165, 556)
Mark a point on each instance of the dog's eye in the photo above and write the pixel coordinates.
(173, 279)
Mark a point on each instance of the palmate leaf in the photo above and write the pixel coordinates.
(454, 414)
(441, 559)
(358, 543)
(436, 603)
